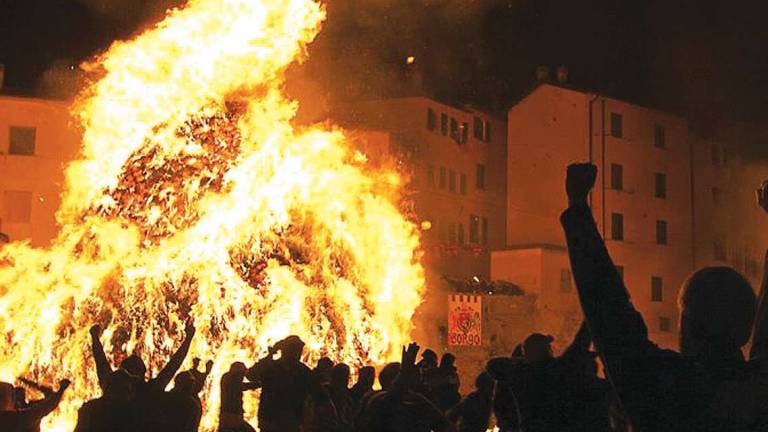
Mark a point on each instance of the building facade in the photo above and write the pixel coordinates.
(36, 141)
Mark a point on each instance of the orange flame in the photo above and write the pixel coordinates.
(196, 197)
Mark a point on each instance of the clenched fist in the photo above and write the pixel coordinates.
(579, 181)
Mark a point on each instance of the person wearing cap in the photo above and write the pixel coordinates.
(285, 384)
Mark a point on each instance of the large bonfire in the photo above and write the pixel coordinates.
(195, 198)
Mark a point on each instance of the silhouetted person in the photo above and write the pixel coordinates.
(200, 377)
(535, 389)
(708, 386)
(366, 376)
(401, 409)
(20, 397)
(445, 388)
(341, 397)
(321, 415)
(285, 385)
(182, 408)
(473, 413)
(428, 359)
(148, 393)
(231, 410)
(114, 411)
(505, 406)
(23, 420)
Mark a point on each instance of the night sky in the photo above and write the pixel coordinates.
(702, 58)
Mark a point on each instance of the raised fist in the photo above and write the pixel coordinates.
(95, 331)
(64, 384)
(762, 196)
(579, 181)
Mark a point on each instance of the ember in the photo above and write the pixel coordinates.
(195, 197)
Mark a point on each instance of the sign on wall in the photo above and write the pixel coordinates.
(465, 320)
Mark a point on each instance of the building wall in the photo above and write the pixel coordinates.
(549, 129)
(31, 185)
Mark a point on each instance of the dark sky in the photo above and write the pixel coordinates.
(703, 58)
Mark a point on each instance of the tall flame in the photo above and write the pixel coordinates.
(196, 197)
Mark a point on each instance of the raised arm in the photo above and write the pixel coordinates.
(617, 328)
(31, 416)
(174, 364)
(103, 369)
(580, 344)
(760, 331)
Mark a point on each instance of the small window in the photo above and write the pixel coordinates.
(657, 292)
(659, 136)
(18, 206)
(451, 181)
(478, 128)
(474, 229)
(718, 250)
(431, 119)
(443, 178)
(443, 124)
(617, 226)
(22, 141)
(461, 233)
(665, 324)
(620, 271)
(454, 129)
(617, 128)
(431, 175)
(717, 197)
(480, 177)
(463, 184)
(660, 188)
(464, 133)
(565, 280)
(617, 177)
(661, 232)
(485, 231)
(487, 132)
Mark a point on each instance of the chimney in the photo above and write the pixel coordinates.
(2, 75)
(562, 74)
(542, 73)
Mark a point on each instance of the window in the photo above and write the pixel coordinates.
(718, 250)
(487, 132)
(474, 229)
(660, 188)
(461, 234)
(454, 129)
(659, 136)
(443, 124)
(657, 294)
(717, 197)
(617, 130)
(443, 178)
(431, 175)
(451, 181)
(431, 119)
(464, 133)
(463, 184)
(617, 177)
(478, 128)
(485, 231)
(665, 324)
(617, 226)
(18, 206)
(661, 232)
(22, 141)
(480, 177)
(452, 233)
(620, 271)
(565, 280)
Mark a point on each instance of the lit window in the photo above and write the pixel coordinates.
(617, 128)
(657, 292)
(661, 232)
(617, 226)
(660, 188)
(565, 280)
(617, 177)
(18, 206)
(22, 141)
(659, 136)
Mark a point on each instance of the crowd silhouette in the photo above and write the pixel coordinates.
(708, 385)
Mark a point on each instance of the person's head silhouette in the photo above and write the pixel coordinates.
(717, 310)
(134, 365)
